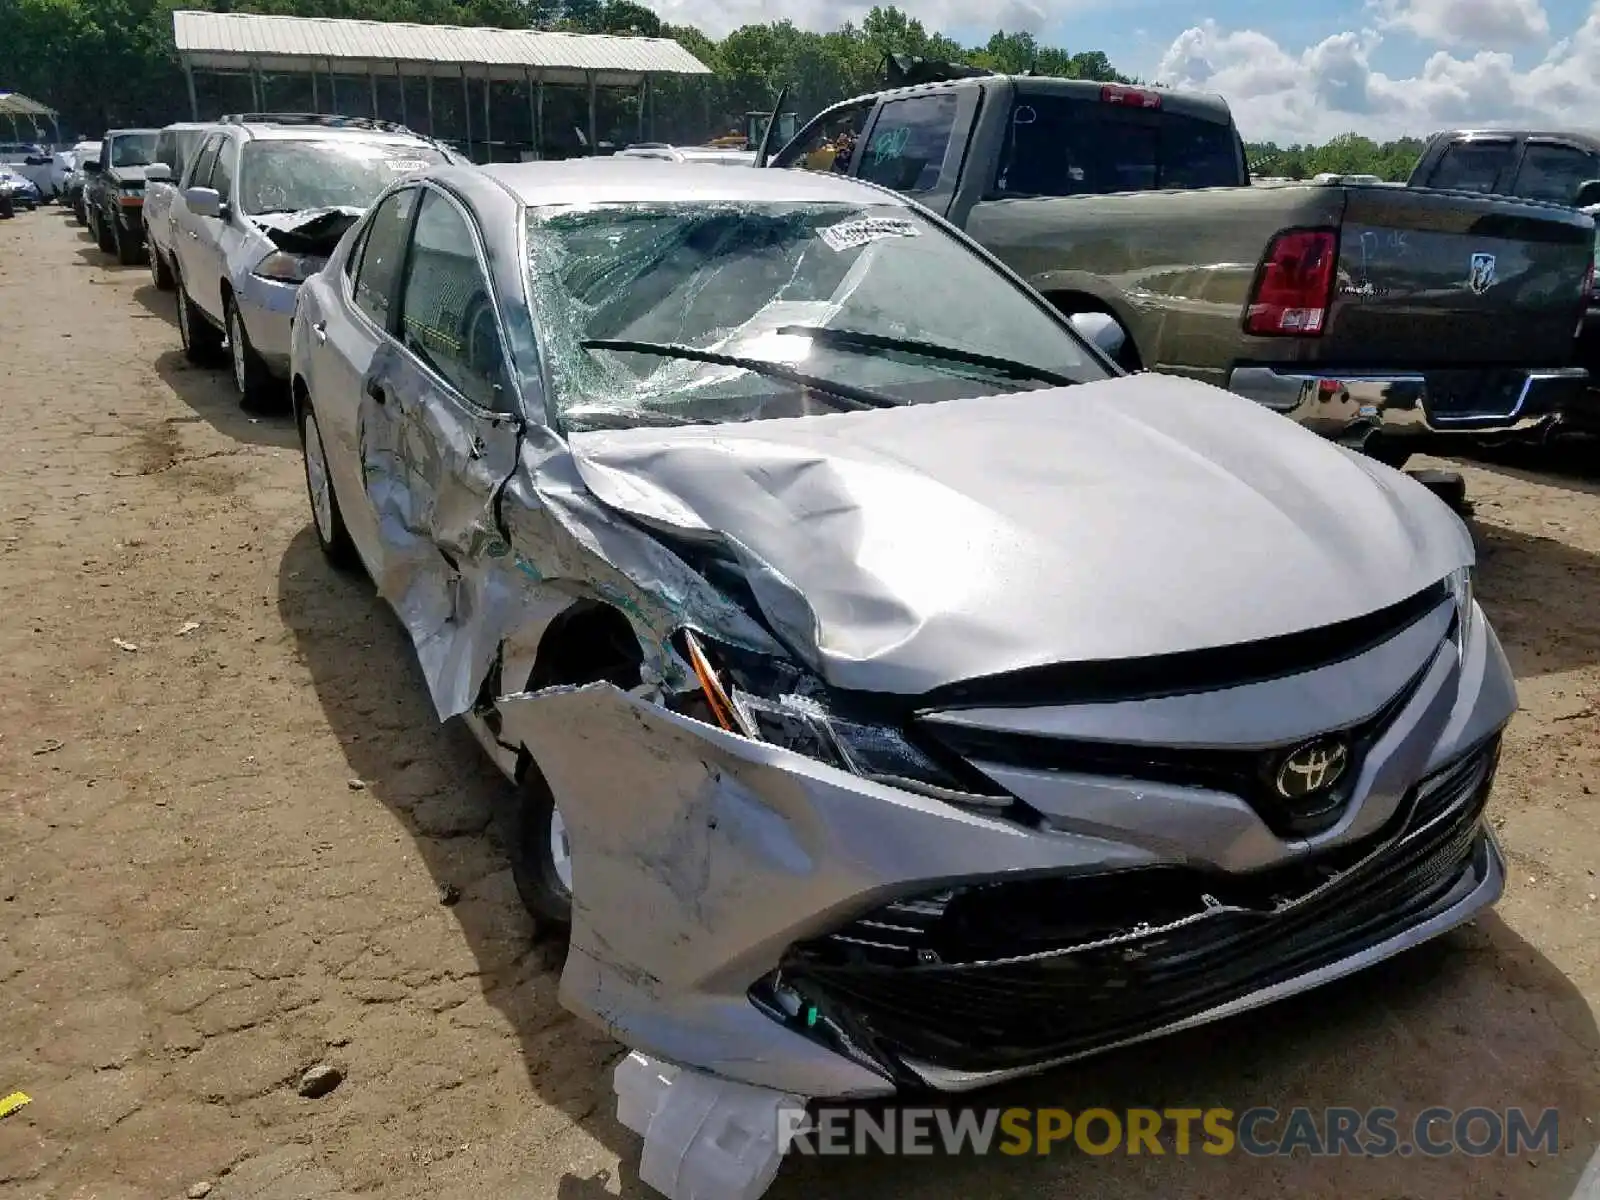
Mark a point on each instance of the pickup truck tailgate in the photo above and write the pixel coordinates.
(1477, 280)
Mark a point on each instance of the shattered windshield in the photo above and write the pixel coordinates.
(790, 299)
(290, 175)
(133, 149)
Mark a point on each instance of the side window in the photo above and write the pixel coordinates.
(909, 138)
(167, 151)
(447, 318)
(203, 162)
(826, 144)
(1474, 166)
(1554, 172)
(222, 176)
(382, 247)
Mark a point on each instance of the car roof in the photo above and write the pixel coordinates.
(314, 133)
(622, 180)
(111, 133)
(187, 126)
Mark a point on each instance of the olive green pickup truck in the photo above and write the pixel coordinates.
(1373, 313)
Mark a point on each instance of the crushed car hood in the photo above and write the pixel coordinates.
(903, 549)
(311, 231)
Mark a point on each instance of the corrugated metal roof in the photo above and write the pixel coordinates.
(15, 104)
(235, 40)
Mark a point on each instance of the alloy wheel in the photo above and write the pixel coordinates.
(236, 348)
(317, 481)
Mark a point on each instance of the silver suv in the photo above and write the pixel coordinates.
(259, 208)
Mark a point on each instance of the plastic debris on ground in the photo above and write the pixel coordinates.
(13, 1102)
(705, 1138)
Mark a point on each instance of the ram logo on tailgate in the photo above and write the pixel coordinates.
(1480, 276)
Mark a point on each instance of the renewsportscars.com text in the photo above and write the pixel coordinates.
(1259, 1132)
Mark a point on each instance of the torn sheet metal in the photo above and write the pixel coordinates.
(312, 232)
(703, 855)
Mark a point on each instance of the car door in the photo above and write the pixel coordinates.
(214, 235)
(352, 315)
(438, 433)
(183, 224)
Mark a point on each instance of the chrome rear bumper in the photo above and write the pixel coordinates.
(1348, 406)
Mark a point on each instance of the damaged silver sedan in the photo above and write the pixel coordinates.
(897, 695)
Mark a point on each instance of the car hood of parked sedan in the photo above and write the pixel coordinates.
(903, 549)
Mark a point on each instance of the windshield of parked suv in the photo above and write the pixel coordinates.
(872, 299)
(133, 149)
(289, 175)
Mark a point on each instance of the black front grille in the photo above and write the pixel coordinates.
(1249, 774)
(1012, 974)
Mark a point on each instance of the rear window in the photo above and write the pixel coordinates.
(908, 142)
(1063, 146)
(1473, 166)
(1555, 172)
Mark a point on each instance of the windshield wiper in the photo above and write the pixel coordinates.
(850, 339)
(844, 391)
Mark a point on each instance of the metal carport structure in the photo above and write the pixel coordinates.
(397, 56)
(15, 104)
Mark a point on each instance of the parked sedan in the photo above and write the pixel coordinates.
(896, 694)
(20, 191)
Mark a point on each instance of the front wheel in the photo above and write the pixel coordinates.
(103, 237)
(160, 273)
(1389, 453)
(251, 379)
(541, 852)
(332, 536)
(129, 248)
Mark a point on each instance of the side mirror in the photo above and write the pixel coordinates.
(1588, 193)
(158, 172)
(1102, 330)
(203, 201)
(91, 166)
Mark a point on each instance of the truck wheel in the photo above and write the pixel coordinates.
(103, 237)
(202, 344)
(541, 855)
(129, 248)
(251, 379)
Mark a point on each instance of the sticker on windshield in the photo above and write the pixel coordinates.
(406, 166)
(847, 235)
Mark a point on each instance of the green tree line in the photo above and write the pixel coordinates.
(1347, 154)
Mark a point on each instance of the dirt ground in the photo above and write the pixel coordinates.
(224, 847)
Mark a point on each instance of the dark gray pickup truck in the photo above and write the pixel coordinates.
(1373, 313)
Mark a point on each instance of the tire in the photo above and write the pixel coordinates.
(160, 273)
(202, 344)
(130, 250)
(333, 538)
(78, 211)
(1389, 453)
(543, 883)
(103, 237)
(256, 387)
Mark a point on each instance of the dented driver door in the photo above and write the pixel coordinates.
(438, 439)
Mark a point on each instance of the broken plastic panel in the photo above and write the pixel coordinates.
(705, 1138)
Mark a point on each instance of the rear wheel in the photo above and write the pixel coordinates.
(160, 273)
(78, 211)
(103, 237)
(202, 344)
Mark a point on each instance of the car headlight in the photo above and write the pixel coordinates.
(771, 700)
(1459, 582)
(289, 268)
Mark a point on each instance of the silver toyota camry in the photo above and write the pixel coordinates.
(896, 694)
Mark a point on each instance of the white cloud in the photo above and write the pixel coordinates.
(1331, 88)
(1488, 24)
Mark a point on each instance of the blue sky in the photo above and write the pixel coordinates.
(1292, 72)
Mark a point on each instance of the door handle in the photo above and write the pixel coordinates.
(193, 236)
(375, 390)
(320, 332)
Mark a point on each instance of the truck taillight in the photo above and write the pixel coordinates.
(1131, 97)
(1294, 284)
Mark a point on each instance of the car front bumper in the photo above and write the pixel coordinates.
(267, 308)
(753, 913)
(1348, 406)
